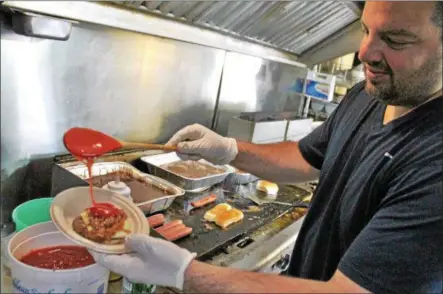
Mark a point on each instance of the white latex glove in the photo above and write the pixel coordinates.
(196, 141)
(153, 261)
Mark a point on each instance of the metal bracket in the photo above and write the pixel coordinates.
(38, 26)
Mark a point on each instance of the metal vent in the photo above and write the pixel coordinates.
(293, 26)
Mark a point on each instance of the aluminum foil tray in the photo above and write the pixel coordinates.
(148, 207)
(154, 162)
(241, 178)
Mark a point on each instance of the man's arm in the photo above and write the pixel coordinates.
(280, 162)
(204, 278)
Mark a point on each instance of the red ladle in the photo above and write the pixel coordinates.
(88, 143)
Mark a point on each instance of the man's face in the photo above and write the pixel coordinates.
(401, 52)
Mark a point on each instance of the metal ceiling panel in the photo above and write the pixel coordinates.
(292, 26)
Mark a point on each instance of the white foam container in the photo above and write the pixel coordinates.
(257, 132)
(298, 128)
(28, 279)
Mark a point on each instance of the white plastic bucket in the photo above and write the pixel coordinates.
(28, 279)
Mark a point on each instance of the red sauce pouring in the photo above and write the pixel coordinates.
(86, 145)
(58, 257)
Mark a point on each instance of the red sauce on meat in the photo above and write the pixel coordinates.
(86, 145)
(58, 257)
(104, 209)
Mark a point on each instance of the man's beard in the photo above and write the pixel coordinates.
(409, 90)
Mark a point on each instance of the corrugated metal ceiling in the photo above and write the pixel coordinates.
(292, 26)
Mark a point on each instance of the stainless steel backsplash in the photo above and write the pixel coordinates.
(254, 84)
(133, 86)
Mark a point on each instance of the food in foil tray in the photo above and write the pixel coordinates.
(192, 169)
(106, 226)
(141, 189)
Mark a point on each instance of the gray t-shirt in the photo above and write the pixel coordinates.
(377, 213)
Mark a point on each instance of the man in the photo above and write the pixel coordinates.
(375, 223)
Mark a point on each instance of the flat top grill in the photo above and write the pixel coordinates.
(207, 239)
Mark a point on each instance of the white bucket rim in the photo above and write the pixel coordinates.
(13, 258)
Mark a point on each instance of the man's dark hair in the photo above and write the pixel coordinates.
(437, 17)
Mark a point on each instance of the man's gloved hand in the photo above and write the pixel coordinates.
(196, 141)
(152, 261)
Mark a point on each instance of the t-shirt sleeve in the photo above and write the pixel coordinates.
(401, 249)
(313, 146)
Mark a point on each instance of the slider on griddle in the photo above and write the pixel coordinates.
(211, 214)
(271, 189)
(224, 215)
(229, 217)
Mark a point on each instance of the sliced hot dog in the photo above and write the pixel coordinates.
(169, 225)
(173, 229)
(172, 235)
(156, 220)
(204, 201)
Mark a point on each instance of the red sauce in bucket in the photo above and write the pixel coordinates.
(59, 257)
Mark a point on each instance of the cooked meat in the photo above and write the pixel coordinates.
(192, 169)
(156, 220)
(141, 190)
(99, 229)
(204, 201)
(173, 235)
(169, 225)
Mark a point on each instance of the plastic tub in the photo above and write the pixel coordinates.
(317, 106)
(330, 107)
(28, 279)
(31, 212)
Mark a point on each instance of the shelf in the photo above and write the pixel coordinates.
(346, 84)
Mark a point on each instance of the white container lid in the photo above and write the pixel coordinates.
(118, 187)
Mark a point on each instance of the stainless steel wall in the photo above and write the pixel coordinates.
(254, 84)
(133, 86)
(130, 85)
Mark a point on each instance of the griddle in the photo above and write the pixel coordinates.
(207, 238)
